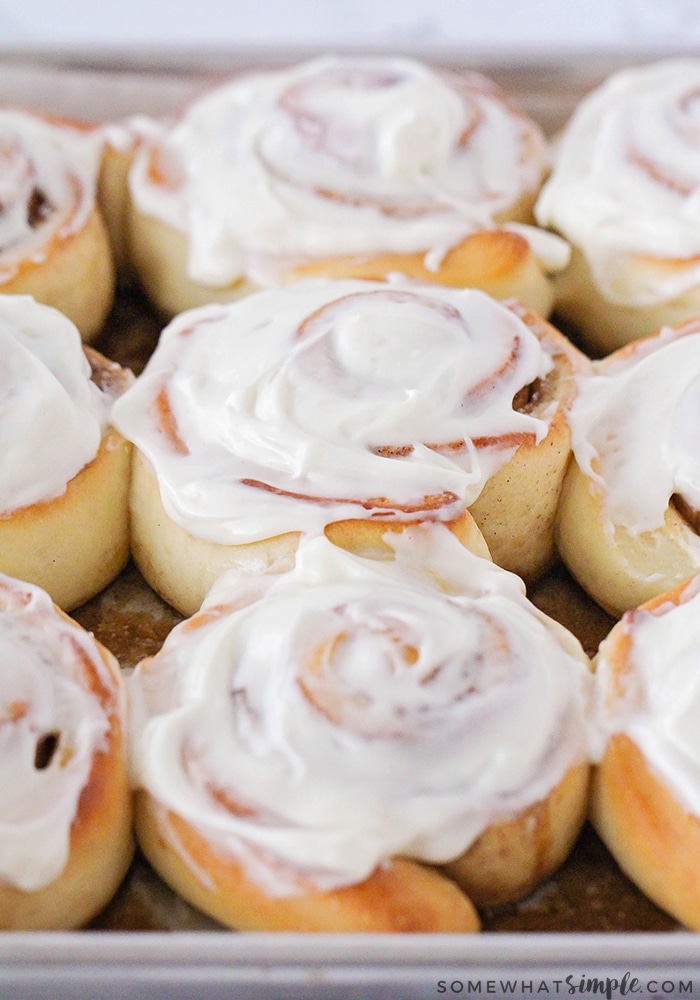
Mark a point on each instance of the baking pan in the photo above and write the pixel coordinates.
(586, 932)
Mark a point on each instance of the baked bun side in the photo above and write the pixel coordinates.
(400, 896)
(343, 167)
(604, 326)
(517, 507)
(314, 404)
(373, 724)
(182, 567)
(101, 851)
(617, 567)
(66, 836)
(177, 564)
(159, 255)
(64, 470)
(74, 544)
(76, 277)
(622, 192)
(498, 261)
(645, 798)
(54, 242)
(627, 522)
(655, 841)
(515, 855)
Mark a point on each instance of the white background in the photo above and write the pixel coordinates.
(477, 25)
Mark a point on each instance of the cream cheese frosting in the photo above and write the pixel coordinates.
(47, 184)
(656, 701)
(314, 724)
(640, 454)
(625, 185)
(54, 690)
(327, 400)
(51, 414)
(336, 156)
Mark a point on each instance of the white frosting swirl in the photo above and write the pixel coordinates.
(314, 724)
(295, 407)
(48, 174)
(655, 698)
(332, 157)
(56, 696)
(639, 454)
(625, 186)
(51, 414)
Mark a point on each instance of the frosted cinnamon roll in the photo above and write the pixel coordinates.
(53, 241)
(345, 167)
(624, 190)
(308, 742)
(64, 470)
(346, 407)
(627, 525)
(65, 802)
(646, 789)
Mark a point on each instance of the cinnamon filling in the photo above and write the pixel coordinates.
(46, 747)
(527, 399)
(689, 514)
(38, 209)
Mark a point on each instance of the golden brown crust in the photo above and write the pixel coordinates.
(605, 326)
(368, 538)
(512, 857)
(76, 276)
(159, 255)
(619, 569)
(401, 896)
(113, 201)
(74, 544)
(516, 510)
(181, 567)
(497, 261)
(654, 840)
(101, 847)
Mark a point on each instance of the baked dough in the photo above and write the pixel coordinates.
(53, 242)
(626, 526)
(356, 742)
(622, 191)
(342, 167)
(66, 837)
(299, 407)
(64, 479)
(645, 799)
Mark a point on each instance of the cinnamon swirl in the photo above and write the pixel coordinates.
(627, 525)
(306, 743)
(53, 241)
(646, 789)
(65, 802)
(624, 190)
(346, 407)
(64, 470)
(343, 167)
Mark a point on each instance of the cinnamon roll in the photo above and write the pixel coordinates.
(307, 743)
(624, 190)
(342, 167)
(53, 242)
(65, 803)
(646, 786)
(627, 525)
(64, 470)
(347, 407)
